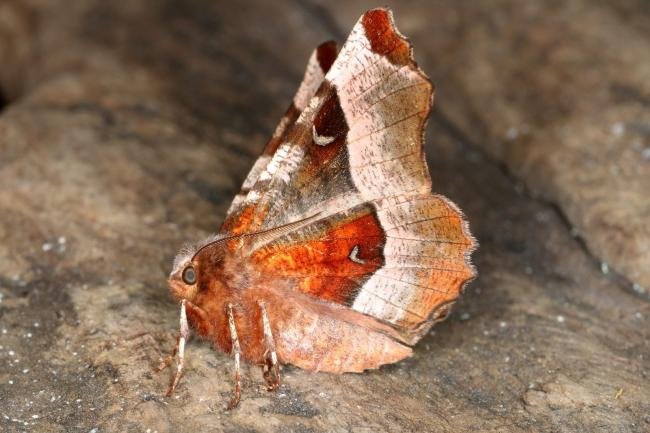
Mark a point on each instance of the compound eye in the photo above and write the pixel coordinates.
(189, 275)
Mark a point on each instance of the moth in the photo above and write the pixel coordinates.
(335, 256)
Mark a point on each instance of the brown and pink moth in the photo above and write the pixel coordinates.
(335, 256)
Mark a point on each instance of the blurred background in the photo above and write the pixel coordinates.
(127, 127)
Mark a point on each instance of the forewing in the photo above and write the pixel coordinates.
(402, 263)
(329, 259)
(319, 63)
(355, 155)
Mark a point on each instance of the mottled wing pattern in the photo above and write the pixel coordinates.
(383, 245)
(319, 63)
(403, 262)
(329, 259)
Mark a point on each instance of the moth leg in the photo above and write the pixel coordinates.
(271, 361)
(169, 358)
(180, 349)
(199, 319)
(236, 351)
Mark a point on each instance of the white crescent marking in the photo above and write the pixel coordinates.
(354, 256)
(321, 140)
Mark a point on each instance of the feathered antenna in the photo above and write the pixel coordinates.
(261, 237)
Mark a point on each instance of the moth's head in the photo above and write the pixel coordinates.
(189, 272)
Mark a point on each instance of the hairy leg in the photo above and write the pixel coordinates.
(167, 361)
(236, 351)
(271, 357)
(198, 317)
(182, 338)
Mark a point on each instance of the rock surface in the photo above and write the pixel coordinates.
(127, 128)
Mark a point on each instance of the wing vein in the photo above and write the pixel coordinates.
(383, 128)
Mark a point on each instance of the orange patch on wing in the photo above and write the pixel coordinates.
(384, 38)
(445, 286)
(243, 222)
(327, 267)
